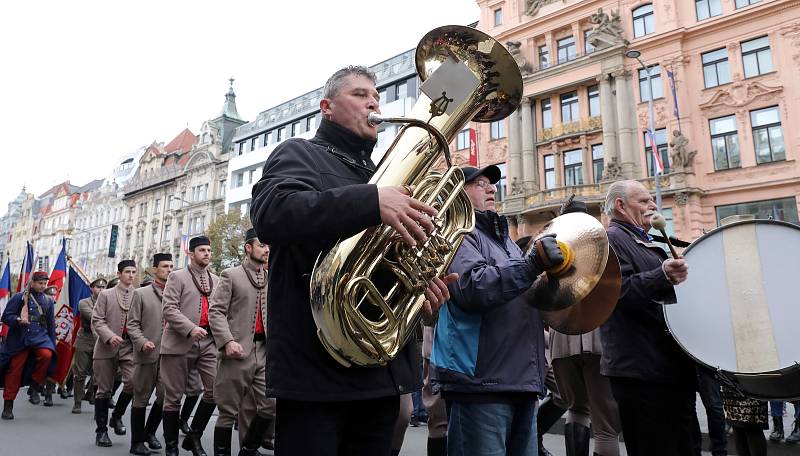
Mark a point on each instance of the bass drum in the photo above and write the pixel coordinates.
(738, 312)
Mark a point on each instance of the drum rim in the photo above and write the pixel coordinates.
(716, 230)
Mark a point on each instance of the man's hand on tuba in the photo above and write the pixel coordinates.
(409, 217)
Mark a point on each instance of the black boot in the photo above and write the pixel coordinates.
(119, 411)
(101, 419)
(186, 413)
(170, 420)
(268, 442)
(254, 437)
(777, 429)
(192, 442)
(794, 437)
(137, 431)
(33, 393)
(8, 410)
(222, 441)
(153, 420)
(437, 447)
(546, 417)
(576, 439)
(48, 400)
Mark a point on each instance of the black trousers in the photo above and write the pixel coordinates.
(656, 417)
(349, 428)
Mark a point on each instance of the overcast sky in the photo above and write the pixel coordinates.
(84, 82)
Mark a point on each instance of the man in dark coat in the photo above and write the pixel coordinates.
(652, 379)
(29, 349)
(312, 194)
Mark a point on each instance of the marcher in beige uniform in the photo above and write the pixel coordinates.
(186, 342)
(145, 326)
(84, 343)
(238, 317)
(113, 350)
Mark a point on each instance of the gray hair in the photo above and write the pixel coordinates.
(618, 189)
(334, 83)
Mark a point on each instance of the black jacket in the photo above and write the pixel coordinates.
(636, 342)
(312, 194)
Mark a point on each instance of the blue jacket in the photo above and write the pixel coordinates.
(636, 341)
(35, 335)
(488, 339)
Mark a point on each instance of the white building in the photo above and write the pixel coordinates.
(398, 86)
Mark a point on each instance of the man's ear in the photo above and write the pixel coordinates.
(325, 107)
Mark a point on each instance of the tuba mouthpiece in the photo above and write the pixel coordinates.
(374, 119)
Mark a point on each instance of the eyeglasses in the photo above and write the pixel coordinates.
(484, 184)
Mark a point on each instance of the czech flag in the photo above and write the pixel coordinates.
(59, 270)
(656, 152)
(5, 293)
(27, 267)
(67, 319)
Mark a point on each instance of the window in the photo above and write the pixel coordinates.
(296, 128)
(716, 70)
(253, 143)
(724, 143)
(566, 49)
(311, 123)
(157, 207)
(594, 101)
(661, 146)
(402, 90)
(707, 8)
(597, 162)
(281, 134)
(767, 135)
(462, 140)
(238, 179)
(587, 46)
(549, 171)
(498, 17)
(167, 231)
(655, 83)
(544, 57)
(756, 57)
(569, 107)
(573, 168)
(382, 96)
(743, 3)
(784, 209)
(269, 138)
(547, 114)
(502, 189)
(644, 22)
(498, 129)
(241, 148)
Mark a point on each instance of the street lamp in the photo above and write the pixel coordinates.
(634, 54)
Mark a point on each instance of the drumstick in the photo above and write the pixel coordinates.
(658, 222)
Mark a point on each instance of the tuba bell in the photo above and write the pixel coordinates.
(367, 293)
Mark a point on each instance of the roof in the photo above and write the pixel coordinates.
(182, 143)
(91, 186)
(69, 188)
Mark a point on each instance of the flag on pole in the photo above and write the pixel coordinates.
(67, 319)
(185, 248)
(473, 147)
(59, 270)
(656, 152)
(27, 267)
(5, 293)
(671, 77)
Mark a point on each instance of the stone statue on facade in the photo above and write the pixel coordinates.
(681, 157)
(607, 30)
(533, 6)
(613, 170)
(517, 188)
(514, 49)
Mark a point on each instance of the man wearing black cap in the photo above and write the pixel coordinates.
(312, 194)
(84, 343)
(186, 342)
(491, 390)
(30, 343)
(145, 328)
(113, 350)
(238, 318)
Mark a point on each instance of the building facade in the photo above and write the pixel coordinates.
(253, 142)
(721, 133)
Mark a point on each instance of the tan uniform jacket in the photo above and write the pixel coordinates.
(233, 309)
(182, 304)
(108, 319)
(86, 338)
(145, 323)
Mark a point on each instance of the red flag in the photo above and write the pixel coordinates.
(473, 147)
(27, 267)
(5, 294)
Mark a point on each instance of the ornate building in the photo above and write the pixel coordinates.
(583, 118)
(20, 228)
(178, 188)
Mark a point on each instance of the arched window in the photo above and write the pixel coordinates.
(644, 22)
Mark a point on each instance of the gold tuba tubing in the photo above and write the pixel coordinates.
(367, 292)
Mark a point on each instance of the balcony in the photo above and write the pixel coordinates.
(572, 128)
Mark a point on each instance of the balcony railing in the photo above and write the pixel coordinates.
(571, 128)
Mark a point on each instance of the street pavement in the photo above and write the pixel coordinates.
(47, 431)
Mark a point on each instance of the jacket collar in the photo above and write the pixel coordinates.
(345, 141)
(639, 232)
(253, 266)
(491, 223)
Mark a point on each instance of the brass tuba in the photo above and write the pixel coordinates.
(368, 291)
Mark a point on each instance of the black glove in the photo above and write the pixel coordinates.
(545, 254)
(572, 205)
